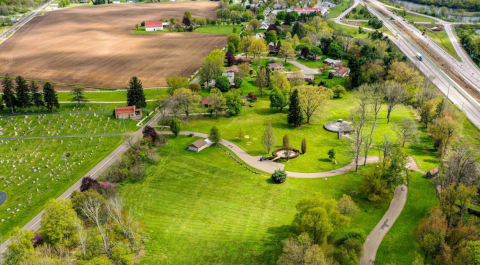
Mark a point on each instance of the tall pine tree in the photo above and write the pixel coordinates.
(36, 97)
(23, 93)
(8, 94)
(295, 116)
(135, 95)
(50, 97)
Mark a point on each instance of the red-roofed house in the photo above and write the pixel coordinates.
(206, 102)
(155, 25)
(342, 72)
(129, 112)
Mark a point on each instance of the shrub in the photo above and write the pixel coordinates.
(175, 126)
(214, 22)
(330, 75)
(238, 82)
(279, 176)
(222, 83)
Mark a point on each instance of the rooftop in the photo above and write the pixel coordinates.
(339, 125)
(198, 143)
(153, 24)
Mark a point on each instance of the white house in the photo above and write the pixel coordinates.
(332, 62)
(155, 25)
(230, 76)
(260, 35)
(199, 145)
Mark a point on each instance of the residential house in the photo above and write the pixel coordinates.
(273, 49)
(230, 76)
(305, 10)
(313, 57)
(342, 72)
(332, 62)
(240, 59)
(275, 66)
(155, 25)
(264, 25)
(129, 112)
(232, 68)
(206, 102)
(199, 145)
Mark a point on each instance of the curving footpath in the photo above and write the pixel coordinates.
(379, 231)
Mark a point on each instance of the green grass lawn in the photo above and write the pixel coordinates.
(202, 208)
(319, 141)
(339, 8)
(15, 181)
(350, 31)
(441, 39)
(382, 29)
(220, 29)
(118, 95)
(310, 63)
(417, 18)
(399, 244)
(3, 28)
(330, 82)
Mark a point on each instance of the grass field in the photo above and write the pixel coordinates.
(220, 29)
(319, 141)
(23, 164)
(382, 29)
(339, 8)
(441, 39)
(202, 208)
(115, 96)
(350, 31)
(399, 244)
(417, 18)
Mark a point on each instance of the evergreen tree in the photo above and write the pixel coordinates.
(135, 95)
(304, 145)
(214, 135)
(23, 93)
(36, 97)
(78, 96)
(8, 94)
(50, 97)
(295, 116)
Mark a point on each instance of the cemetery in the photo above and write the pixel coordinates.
(41, 155)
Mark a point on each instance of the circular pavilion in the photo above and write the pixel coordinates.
(339, 126)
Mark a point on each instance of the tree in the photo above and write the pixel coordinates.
(258, 48)
(318, 217)
(296, 77)
(208, 71)
(222, 83)
(311, 98)
(400, 73)
(254, 24)
(245, 44)
(295, 116)
(279, 176)
(338, 90)
(36, 98)
(20, 247)
(58, 222)
(394, 94)
(301, 250)
(151, 134)
(335, 49)
(233, 102)
(304, 145)
(195, 87)
(373, 184)
(122, 217)
(268, 139)
(315, 51)
(287, 146)
(432, 231)
(427, 112)
(78, 96)
(175, 126)
(23, 93)
(331, 154)
(279, 80)
(347, 206)
(230, 58)
(305, 52)
(406, 131)
(175, 83)
(286, 52)
(93, 209)
(238, 81)
(8, 94)
(135, 95)
(474, 251)
(241, 133)
(444, 11)
(185, 98)
(234, 40)
(359, 122)
(50, 97)
(261, 81)
(214, 135)
(271, 36)
(278, 99)
(295, 41)
(217, 102)
(443, 131)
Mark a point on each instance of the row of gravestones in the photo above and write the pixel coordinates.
(238, 162)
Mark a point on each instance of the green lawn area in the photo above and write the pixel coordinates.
(330, 82)
(202, 208)
(441, 39)
(312, 64)
(120, 95)
(220, 29)
(39, 153)
(351, 31)
(417, 18)
(382, 29)
(253, 119)
(399, 244)
(339, 8)
(3, 28)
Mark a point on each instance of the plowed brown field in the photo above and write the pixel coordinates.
(92, 46)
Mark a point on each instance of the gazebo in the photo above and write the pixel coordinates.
(339, 126)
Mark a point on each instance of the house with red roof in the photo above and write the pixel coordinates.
(129, 112)
(155, 25)
(342, 72)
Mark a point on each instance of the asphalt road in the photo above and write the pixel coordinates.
(95, 172)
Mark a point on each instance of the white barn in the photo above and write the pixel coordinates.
(199, 145)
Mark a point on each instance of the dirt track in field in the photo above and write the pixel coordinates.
(92, 46)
